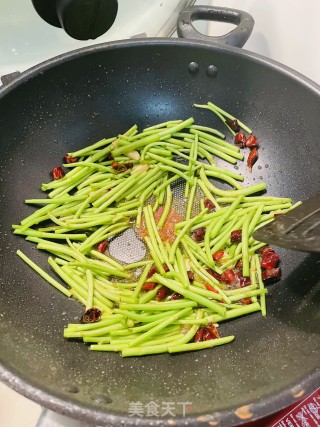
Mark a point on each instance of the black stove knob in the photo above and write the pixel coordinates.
(81, 19)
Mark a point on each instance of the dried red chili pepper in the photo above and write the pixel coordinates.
(148, 286)
(218, 255)
(213, 329)
(245, 301)
(210, 288)
(214, 274)
(102, 246)
(228, 276)
(271, 275)
(176, 296)
(190, 276)
(128, 165)
(240, 139)
(252, 141)
(165, 267)
(270, 260)
(91, 315)
(277, 215)
(207, 335)
(70, 159)
(244, 281)
(209, 205)
(233, 124)
(239, 263)
(199, 233)
(152, 271)
(162, 293)
(118, 167)
(252, 158)
(57, 173)
(265, 249)
(236, 236)
(199, 335)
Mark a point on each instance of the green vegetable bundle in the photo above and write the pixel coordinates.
(120, 183)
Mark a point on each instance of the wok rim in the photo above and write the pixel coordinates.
(136, 42)
(259, 409)
(229, 417)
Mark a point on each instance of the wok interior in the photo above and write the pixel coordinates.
(102, 93)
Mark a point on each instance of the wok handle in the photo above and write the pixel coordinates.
(9, 78)
(236, 37)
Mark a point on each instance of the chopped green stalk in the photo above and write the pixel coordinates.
(142, 351)
(217, 113)
(90, 289)
(167, 207)
(166, 133)
(142, 142)
(261, 285)
(151, 233)
(43, 235)
(245, 247)
(96, 266)
(248, 294)
(161, 246)
(110, 320)
(229, 116)
(166, 183)
(218, 151)
(208, 129)
(220, 145)
(144, 337)
(143, 317)
(43, 274)
(230, 193)
(107, 259)
(221, 240)
(92, 333)
(180, 236)
(208, 195)
(159, 306)
(176, 171)
(137, 264)
(169, 162)
(177, 287)
(149, 178)
(117, 193)
(191, 199)
(154, 255)
(226, 178)
(199, 345)
(162, 125)
(148, 296)
(142, 279)
(181, 262)
(215, 227)
(92, 147)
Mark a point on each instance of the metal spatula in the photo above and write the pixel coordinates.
(298, 229)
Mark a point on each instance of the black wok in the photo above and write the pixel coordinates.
(81, 97)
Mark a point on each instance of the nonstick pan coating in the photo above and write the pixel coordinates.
(84, 96)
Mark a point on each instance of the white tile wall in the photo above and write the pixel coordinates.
(17, 410)
(286, 30)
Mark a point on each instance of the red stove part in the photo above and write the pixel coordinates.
(305, 413)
